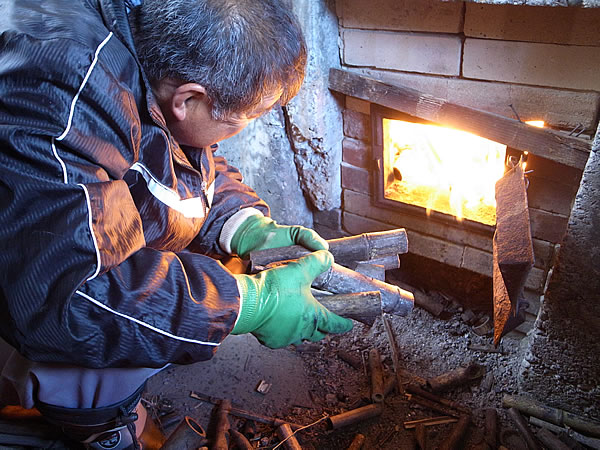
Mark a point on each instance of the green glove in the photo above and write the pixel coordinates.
(278, 307)
(259, 233)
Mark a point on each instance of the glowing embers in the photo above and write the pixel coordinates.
(442, 169)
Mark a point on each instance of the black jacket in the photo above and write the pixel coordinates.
(105, 222)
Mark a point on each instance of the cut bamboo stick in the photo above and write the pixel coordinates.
(553, 415)
(346, 250)
(354, 416)
(440, 420)
(376, 369)
(364, 307)
(341, 280)
(286, 435)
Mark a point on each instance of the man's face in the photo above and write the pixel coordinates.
(199, 129)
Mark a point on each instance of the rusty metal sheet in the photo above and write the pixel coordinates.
(512, 251)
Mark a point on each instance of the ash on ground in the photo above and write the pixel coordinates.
(427, 347)
(311, 382)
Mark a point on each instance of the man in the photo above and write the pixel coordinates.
(115, 210)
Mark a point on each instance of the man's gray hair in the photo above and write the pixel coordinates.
(240, 50)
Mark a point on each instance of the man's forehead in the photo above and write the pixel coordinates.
(264, 106)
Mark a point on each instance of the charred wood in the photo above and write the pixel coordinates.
(456, 377)
(430, 421)
(363, 307)
(454, 440)
(355, 416)
(388, 262)
(238, 412)
(241, 442)
(524, 430)
(187, 435)
(550, 440)
(341, 280)
(376, 370)
(574, 435)
(357, 442)
(346, 250)
(352, 359)
(434, 406)
(286, 435)
(421, 436)
(371, 270)
(221, 430)
(416, 390)
(491, 427)
(553, 415)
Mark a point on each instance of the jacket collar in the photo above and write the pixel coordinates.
(114, 13)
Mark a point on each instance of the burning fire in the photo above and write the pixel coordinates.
(536, 123)
(443, 169)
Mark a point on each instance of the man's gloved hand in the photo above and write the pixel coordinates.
(278, 307)
(259, 233)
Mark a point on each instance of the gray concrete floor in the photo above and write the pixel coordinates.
(241, 363)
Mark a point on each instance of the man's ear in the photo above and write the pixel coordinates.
(186, 96)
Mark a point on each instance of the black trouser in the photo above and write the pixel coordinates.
(81, 401)
(107, 427)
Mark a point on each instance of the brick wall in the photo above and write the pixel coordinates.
(534, 62)
(543, 61)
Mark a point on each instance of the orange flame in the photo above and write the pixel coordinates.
(443, 169)
(536, 123)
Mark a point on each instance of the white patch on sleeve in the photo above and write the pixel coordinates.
(190, 207)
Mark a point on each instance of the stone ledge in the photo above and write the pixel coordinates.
(560, 147)
(558, 108)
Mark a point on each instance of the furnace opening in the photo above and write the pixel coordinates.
(442, 169)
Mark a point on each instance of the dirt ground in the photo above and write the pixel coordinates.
(312, 382)
(427, 347)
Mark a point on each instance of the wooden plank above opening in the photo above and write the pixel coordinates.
(550, 144)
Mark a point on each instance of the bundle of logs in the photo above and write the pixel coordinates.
(354, 286)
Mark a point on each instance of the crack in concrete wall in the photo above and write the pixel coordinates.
(315, 165)
(292, 156)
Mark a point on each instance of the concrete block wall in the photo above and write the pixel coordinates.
(560, 367)
(530, 62)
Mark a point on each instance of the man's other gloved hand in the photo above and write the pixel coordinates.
(259, 233)
(278, 307)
